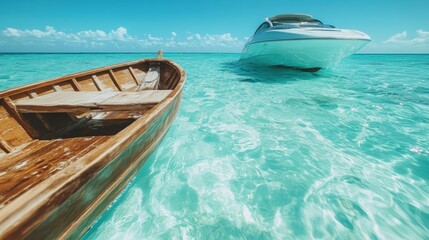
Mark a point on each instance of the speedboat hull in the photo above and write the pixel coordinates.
(308, 54)
(300, 41)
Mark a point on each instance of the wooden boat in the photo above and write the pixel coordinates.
(70, 145)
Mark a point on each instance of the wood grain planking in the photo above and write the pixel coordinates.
(115, 81)
(77, 101)
(87, 83)
(43, 163)
(11, 131)
(135, 98)
(151, 79)
(32, 95)
(133, 75)
(64, 101)
(75, 85)
(17, 158)
(66, 86)
(97, 83)
(175, 80)
(132, 89)
(107, 82)
(39, 116)
(72, 116)
(5, 146)
(11, 108)
(44, 90)
(125, 78)
(140, 72)
(78, 76)
(57, 88)
(169, 81)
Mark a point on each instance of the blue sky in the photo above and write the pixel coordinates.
(396, 26)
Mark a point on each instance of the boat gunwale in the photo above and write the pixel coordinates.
(68, 77)
(29, 203)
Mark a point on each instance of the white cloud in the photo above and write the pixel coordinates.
(212, 40)
(401, 38)
(120, 34)
(196, 36)
(119, 38)
(49, 32)
(97, 34)
(397, 37)
(154, 39)
(403, 42)
(423, 35)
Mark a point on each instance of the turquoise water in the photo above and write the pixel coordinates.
(275, 153)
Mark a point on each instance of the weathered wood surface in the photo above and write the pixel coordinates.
(39, 160)
(5, 146)
(151, 79)
(74, 78)
(79, 101)
(56, 188)
(131, 100)
(13, 111)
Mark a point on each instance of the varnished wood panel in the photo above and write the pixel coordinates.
(140, 71)
(44, 90)
(107, 82)
(115, 80)
(11, 131)
(75, 85)
(125, 78)
(77, 101)
(87, 83)
(66, 86)
(34, 165)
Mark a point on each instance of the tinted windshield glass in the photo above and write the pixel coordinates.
(296, 24)
(263, 26)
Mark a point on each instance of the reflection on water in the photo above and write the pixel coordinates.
(268, 74)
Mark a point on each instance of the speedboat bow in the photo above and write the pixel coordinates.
(302, 42)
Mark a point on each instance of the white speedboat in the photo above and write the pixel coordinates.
(300, 41)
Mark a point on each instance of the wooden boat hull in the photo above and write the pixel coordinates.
(66, 204)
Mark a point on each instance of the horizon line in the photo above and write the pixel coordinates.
(173, 52)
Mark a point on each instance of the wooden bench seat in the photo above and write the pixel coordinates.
(67, 101)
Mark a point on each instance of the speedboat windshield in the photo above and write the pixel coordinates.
(297, 21)
(314, 23)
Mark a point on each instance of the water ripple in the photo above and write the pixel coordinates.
(274, 153)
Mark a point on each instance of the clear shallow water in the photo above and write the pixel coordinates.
(275, 153)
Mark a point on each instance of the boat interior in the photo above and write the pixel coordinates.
(47, 126)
